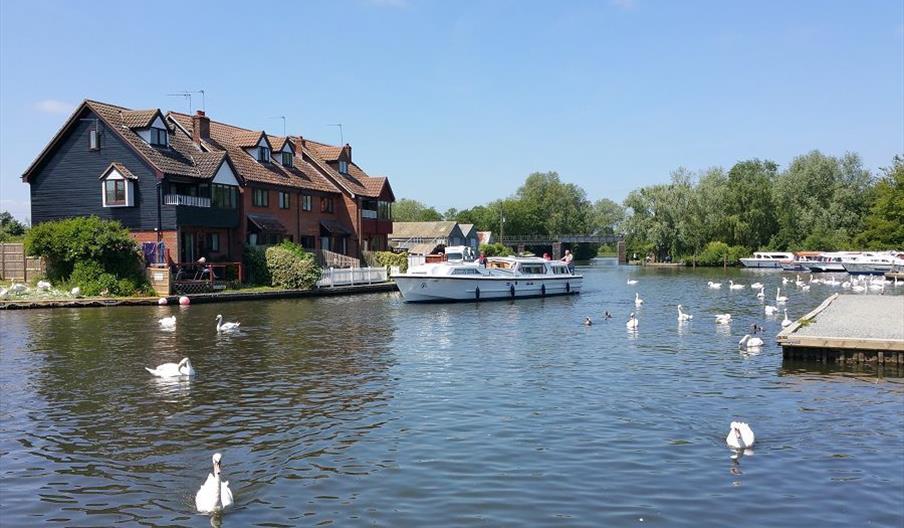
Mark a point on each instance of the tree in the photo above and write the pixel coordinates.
(10, 228)
(553, 207)
(607, 217)
(748, 206)
(884, 224)
(407, 210)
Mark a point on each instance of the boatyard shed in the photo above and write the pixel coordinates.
(424, 238)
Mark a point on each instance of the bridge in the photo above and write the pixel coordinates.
(556, 241)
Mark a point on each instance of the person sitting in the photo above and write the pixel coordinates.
(482, 259)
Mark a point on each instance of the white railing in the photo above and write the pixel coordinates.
(367, 213)
(349, 276)
(184, 199)
(416, 260)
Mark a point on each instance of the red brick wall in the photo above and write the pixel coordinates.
(170, 239)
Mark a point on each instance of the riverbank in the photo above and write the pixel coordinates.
(200, 298)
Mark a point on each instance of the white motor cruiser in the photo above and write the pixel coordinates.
(502, 278)
(767, 259)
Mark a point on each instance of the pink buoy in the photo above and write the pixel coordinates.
(162, 301)
(184, 300)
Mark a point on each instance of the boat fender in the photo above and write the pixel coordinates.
(567, 287)
(543, 290)
(512, 290)
(477, 293)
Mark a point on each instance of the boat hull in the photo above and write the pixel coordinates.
(867, 268)
(761, 263)
(825, 267)
(428, 289)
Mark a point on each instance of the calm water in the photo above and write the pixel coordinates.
(367, 411)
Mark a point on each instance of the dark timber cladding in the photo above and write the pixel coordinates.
(849, 329)
(67, 183)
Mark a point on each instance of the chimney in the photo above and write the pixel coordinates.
(200, 127)
(348, 148)
(298, 143)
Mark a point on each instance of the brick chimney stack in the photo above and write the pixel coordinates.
(348, 148)
(298, 143)
(200, 127)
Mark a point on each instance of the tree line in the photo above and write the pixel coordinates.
(818, 202)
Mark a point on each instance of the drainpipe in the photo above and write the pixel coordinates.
(159, 205)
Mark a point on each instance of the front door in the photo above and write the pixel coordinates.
(186, 247)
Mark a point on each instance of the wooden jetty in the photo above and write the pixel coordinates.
(848, 329)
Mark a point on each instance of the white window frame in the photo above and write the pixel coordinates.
(130, 190)
(307, 202)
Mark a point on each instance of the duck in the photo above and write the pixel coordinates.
(714, 285)
(771, 310)
(733, 286)
(607, 315)
(740, 436)
(172, 370)
(762, 293)
(631, 282)
(756, 329)
(683, 316)
(756, 285)
(637, 300)
(632, 322)
(214, 495)
(748, 342)
(779, 298)
(168, 323)
(588, 322)
(786, 321)
(226, 327)
(723, 318)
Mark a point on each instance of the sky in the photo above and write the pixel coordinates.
(457, 102)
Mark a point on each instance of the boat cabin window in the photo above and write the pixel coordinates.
(499, 264)
(560, 270)
(454, 257)
(465, 271)
(533, 269)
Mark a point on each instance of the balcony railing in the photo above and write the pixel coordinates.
(184, 199)
(367, 213)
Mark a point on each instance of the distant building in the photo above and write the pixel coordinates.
(425, 238)
(485, 237)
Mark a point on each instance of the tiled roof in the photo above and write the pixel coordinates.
(266, 222)
(208, 163)
(324, 151)
(139, 118)
(121, 169)
(334, 227)
(223, 139)
(277, 143)
(356, 181)
(437, 229)
(244, 138)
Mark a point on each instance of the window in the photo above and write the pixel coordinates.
(343, 166)
(114, 193)
(306, 204)
(306, 242)
(159, 137)
(326, 205)
(214, 241)
(260, 198)
(383, 210)
(283, 200)
(263, 154)
(287, 159)
(224, 196)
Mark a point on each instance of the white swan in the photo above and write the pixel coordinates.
(44, 285)
(683, 316)
(714, 285)
(748, 342)
(215, 494)
(779, 298)
(786, 321)
(805, 287)
(168, 323)
(17, 287)
(631, 282)
(785, 280)
(171, 370)
(740, 436)
(756, 285)
(771, 310)
(858, 288)
(637, 300)
(762, 293)
(733, 286)
(632, 322)
(723, 318)
(75, 292)
(225, 327)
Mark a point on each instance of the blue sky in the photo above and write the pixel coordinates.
(458, 101)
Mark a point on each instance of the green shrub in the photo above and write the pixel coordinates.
(387, 259)
(255, 260)
(90, 276)
(290, 269)
(715, 253)
(496, 250)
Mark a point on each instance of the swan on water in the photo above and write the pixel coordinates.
(225, 327)
(734, 286)
(170, 370)
(805, 287)
(786, 321)
(631, 282)
(762, 293)
(858, 288)
(748, 342)
(168, 322)
(779, 298)
(756, 285)
(714, 285)
(723, 318)
(740, 436)
(632, 322)
(771, 310)
(785, 280)
(637, 300)
(215, 494)
(683, 316)
(846, 285)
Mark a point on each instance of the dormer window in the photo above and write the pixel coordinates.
(263, 154)
(159, 137)
(287, 159)
(343, 166)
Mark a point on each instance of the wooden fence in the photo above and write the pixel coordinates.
(15, 265)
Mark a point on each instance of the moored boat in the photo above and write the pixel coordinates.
(800, 261)
(502, 278)
(767, 259)
(830, 261)
(870, 263)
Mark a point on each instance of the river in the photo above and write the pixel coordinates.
(365, 410)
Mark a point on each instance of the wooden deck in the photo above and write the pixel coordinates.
(847, 329)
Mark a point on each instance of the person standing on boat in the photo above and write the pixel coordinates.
(482, 259)
(569, 259)
(546, 256)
